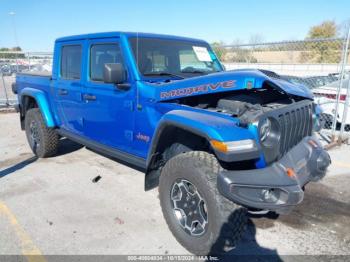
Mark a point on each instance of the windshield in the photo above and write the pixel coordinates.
(173, 58)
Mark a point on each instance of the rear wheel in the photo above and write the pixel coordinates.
(200, 218)
(42, 140)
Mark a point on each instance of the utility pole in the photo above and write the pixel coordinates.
(347, 99)
(13, 14)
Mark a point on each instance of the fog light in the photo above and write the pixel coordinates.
(269, 195)
(259, 195)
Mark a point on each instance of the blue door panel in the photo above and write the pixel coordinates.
(108, 112)
(67, 93)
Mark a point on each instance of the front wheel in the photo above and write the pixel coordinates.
(200, 218)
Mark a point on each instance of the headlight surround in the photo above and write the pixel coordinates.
(269, 132)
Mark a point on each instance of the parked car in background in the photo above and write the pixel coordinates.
(40, 68)
(326, 97)
(6, 70)
(325, 90)
(317, 81)
(297, 80)
(12, 69)
(311, 81)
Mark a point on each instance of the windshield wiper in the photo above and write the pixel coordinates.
(163, 74)
(194, 72)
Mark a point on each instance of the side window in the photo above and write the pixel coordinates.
(100, 55)
(71, 61)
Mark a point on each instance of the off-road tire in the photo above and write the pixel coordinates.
(48, 137)
(226, 220)
(174, 150)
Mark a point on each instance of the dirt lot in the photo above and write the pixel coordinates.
(51, 206)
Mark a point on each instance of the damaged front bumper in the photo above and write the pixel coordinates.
(278, 187)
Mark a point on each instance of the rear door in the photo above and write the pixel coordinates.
(108, 111)
(67, 87)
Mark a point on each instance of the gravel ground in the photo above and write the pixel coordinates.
(52, 207)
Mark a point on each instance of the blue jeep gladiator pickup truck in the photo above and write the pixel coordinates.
(217, 143)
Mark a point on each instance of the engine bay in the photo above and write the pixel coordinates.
(247, 105)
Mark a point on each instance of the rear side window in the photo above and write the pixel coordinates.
(100, 55)
(71, 62)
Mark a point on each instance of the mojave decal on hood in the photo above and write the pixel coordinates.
(223, 82)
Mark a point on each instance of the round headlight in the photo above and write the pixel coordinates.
(265, 129)
(269, 132)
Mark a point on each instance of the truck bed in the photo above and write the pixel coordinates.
(37, 73)
(37, 80)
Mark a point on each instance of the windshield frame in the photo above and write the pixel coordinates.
(155, 78)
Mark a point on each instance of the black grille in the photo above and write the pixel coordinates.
(295, 122)
(295, 125)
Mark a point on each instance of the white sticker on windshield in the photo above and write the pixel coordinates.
(202, 53)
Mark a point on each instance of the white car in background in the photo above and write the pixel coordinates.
(326, 97)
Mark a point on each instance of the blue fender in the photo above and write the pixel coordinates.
(42, 102)
(208, 126)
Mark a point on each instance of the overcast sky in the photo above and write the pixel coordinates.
(39, 22)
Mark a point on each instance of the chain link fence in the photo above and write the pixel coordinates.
(13, 62)
(319, 64)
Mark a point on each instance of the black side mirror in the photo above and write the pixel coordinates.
(114, 73)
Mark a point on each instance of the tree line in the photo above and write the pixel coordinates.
(312, 50)
(5, 52)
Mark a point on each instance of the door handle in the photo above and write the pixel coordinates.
(88, 97)
(62, 92)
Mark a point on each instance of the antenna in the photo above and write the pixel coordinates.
(137, 49)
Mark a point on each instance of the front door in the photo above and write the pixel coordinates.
(108, 111)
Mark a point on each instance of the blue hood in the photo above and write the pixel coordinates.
(224, 82)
